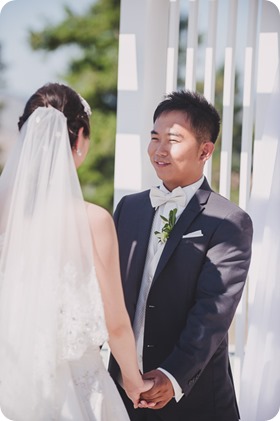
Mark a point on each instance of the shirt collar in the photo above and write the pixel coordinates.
(189, 190)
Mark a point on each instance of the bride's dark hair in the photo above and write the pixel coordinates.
(63, 99)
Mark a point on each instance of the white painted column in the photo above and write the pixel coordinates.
(245, 170)
(259, 372)
(191, 54)
(268, 60)
(210, 68)
(141, 86)
(228, 102)
(173, 46)
(249, 95)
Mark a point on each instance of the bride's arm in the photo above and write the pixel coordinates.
(121, 338)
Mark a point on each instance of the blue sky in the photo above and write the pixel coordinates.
(27, 70)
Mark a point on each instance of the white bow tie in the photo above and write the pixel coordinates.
(158, 197)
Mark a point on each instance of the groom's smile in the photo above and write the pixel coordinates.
(175, 153)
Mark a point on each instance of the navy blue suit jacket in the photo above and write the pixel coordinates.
(194, 294)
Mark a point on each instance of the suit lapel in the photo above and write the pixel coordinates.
(193, 209)
(146, 216)
(140, 229)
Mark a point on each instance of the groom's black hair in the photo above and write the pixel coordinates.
(202, 116)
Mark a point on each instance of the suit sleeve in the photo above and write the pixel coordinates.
(219, 288)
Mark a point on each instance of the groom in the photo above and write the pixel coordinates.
(184, 253)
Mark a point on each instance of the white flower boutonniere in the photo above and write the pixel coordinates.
(168, 226)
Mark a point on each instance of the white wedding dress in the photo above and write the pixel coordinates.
(95, 394)
(84, 389)
(52, 320)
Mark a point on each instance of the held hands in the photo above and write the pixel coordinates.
(134, 393)
(161, 392)
(155, 392)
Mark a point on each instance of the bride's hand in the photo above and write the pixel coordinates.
(134, 392)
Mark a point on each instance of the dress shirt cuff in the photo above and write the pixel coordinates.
(178, 394)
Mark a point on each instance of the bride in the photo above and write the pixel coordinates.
(60, 290)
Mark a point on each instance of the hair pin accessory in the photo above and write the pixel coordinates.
(85, 104)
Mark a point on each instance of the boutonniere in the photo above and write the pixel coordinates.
(167, 228)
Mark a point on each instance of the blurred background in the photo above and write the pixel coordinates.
(77, 43)
(70, 42)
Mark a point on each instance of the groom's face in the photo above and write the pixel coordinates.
(176, 155)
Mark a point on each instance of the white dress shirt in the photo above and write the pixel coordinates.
(154, 252)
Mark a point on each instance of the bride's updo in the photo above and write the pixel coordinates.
(65, 100)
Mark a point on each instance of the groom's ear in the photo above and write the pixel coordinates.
(207, 149)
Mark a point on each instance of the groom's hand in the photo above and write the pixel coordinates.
(160, 394)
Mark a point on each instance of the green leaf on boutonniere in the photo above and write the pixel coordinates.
(164, 234)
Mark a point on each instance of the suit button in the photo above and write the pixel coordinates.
(150, 346)
(151, 306)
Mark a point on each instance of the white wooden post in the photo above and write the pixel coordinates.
(173, 46)
(267, 63)
(190, 80)
(249, 95)
(245, 169)
(228, 102)
(210, 67)
(141, 85)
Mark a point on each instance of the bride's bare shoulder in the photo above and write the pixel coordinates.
(99, 218)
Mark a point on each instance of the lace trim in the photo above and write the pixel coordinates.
(88, 382)
(81, 313)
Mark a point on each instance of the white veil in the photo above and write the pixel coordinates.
(50, 303)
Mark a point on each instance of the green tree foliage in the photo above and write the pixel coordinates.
(92, 73)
